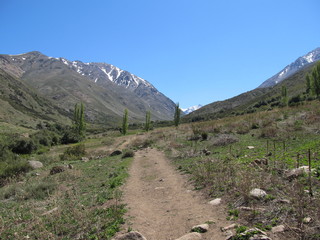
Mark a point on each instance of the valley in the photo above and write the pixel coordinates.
(77, 160)
(224, 159)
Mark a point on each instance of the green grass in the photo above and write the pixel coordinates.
(281, 138)
(85, 201)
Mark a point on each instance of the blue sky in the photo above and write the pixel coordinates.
(197, 51)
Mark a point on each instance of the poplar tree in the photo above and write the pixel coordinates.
(177, 114)
(284, 96)
(82, 123)
(308, 84)
(148, 121)
(79, 124)
(125, 122)
(315, 80)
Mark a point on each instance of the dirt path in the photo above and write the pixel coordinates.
(162, 205)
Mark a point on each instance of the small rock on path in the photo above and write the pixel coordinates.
(170, 211)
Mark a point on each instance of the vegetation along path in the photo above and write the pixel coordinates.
(161, 204)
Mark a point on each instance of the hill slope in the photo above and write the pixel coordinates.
(249, 101)
(20, 105)
(292, 68)
(105, 89)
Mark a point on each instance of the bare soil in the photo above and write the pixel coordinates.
(162, 203)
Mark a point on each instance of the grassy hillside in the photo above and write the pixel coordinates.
(20, 105)
(256, 100)
(65, 85)
(229, 157)
(224, 158)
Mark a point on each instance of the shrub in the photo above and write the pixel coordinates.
(13, 169)
(24, 146)
(224, 139)
(75, 152)
(242, 128)
(204, 136)
(128, 153)
(269, 132)
(46, 138)
(296, 100)
(40, 190)
(70, 136)
(12, 191)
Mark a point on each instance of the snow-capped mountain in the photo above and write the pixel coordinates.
(191, 109)
(105, 89)
(292, 68)
(99, 72)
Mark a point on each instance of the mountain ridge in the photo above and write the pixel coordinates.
(267, 96)
(104, 88)
(289, 70)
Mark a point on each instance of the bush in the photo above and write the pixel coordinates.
(73, 153)
(46, 138)
(13, 169)
(128, 153)
(296, 100)
(24, 146)
(242, 127)
(204, 136)
(224, 139)
(269, 132)
(70, 136)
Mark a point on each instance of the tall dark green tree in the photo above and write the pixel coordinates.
(284, 96)
(315, 80)
(148, 121)
(308, 84)
(82, 122)
(125, 122)
(177, 115)
(79, 124)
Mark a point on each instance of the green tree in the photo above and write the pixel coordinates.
(177, 114)
(148, 121)
(82, 122)
(284, 96)
(315, 80)
(308, 84)
(79, 124)
(125, 122)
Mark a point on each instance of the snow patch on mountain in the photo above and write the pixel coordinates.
(100, 72)
(292, 68)
(191, 109)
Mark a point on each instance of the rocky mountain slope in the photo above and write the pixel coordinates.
(267, 95)
(105, 89)
(292, 68)
(20, 105)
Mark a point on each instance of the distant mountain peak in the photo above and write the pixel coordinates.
(99, 72)
(191, 109)
(105, 88)
(292, 68)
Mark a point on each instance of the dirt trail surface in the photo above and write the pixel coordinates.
(162, 205)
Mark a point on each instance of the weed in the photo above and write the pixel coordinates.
(241, 229)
